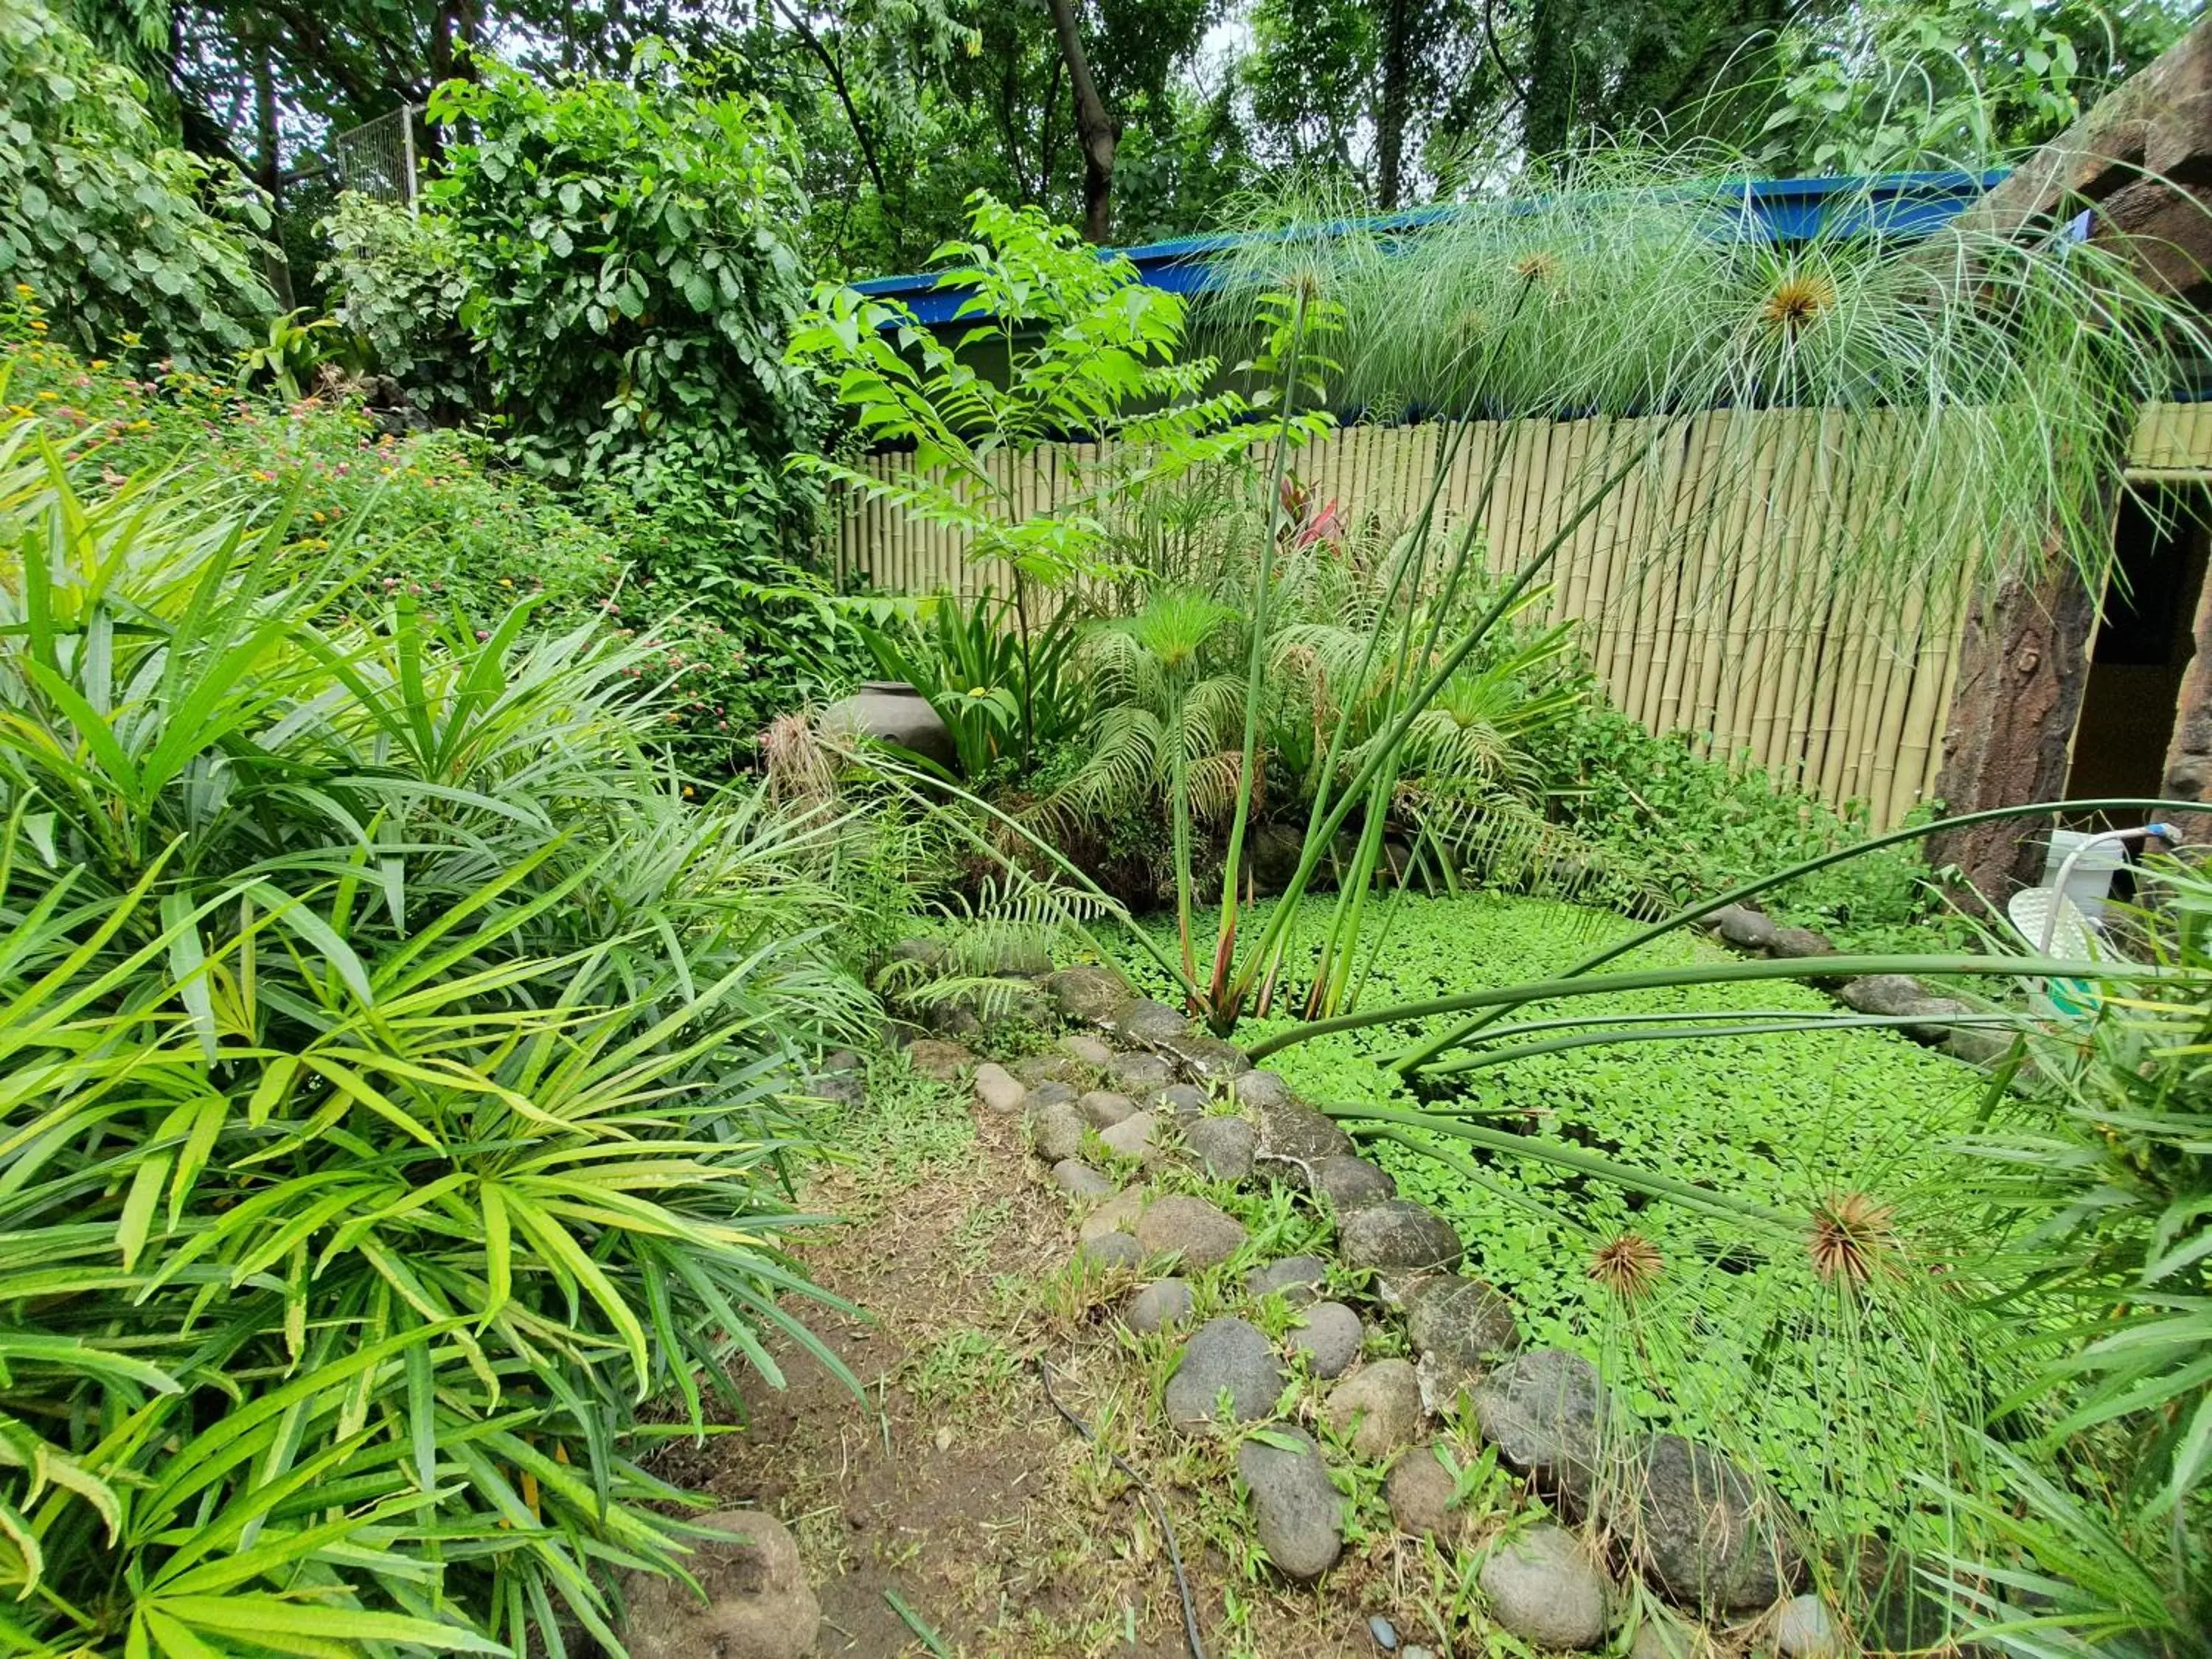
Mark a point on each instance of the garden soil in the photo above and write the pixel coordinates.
(955, 1487)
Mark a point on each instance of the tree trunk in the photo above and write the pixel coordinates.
(2188, 774)
(1094, 128)
(1390, 115)
(1548, 103)
(2023, 661)
(269, 164)
(455, 27)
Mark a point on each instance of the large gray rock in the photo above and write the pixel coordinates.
(1978, 1045)
(1222, 1147)
(951, 1021)
(1118, 1214)
(1161, 1303)
(1544, 1589)
(1037, 1069)
(1898, 996)
(1147, 1021)
(1205, 1059)
(1192, 1232)
(1133, 1137)
(1420, 1490)
(1056, 1132)
(1091, 995)
(936, 1058)
(987, 1001)
(1397, 1236)
(1110, 1251)
(1079, 1179)
(999, 1088)
(1883, 994)
(1460, 1328)
(1296, 1509)
(1706, 1536)
(1103, 1109)
(1298, 1136)
(1330, 1335)
(1297, 1278)
(1352, 1183)
(1088, 1050)
(1178, 1100)
(1744, 928)
(1048, 1093)
(846, 1088)
(1377, 1409)
(1464, 1319)
(1936, 1021)
(758, 1603)
(1547, 1414)
(1798, 943)
(1227, 1356)
(1139, 1073)
(1261, 1091)
(929, 952)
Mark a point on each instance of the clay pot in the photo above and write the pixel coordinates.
(892, 711)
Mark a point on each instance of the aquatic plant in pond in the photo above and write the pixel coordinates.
(1730, 1315)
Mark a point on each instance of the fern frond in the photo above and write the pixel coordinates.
(1213, 715)
(1504, 842)
(1127, 758)
(1212, 782)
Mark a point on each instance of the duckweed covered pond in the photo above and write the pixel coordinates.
(1846, 1356)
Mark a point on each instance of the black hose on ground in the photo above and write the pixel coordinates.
(1159, 1508)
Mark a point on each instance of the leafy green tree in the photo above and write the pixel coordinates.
(397, 286)
(1891, 85)
(120, 232)
(630, 288)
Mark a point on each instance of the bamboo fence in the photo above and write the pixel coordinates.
(1704, 589)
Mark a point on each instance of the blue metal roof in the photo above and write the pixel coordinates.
(1906, 205)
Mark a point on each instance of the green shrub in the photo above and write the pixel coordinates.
(451, 526)
(630, 288)
(1687, 826)
(135, 241)
(392, 1071)
(464, 533)
(2103, 1174)
(397, 276)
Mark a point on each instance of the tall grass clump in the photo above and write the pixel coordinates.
(1996, 370)
(395, 1092)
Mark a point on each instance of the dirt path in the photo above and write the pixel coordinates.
(956, 1489)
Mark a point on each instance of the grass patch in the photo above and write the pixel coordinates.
(907, 1126)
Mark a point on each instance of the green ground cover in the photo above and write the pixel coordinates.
(1734, 1334)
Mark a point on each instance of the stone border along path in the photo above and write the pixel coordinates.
(1703, 1531)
